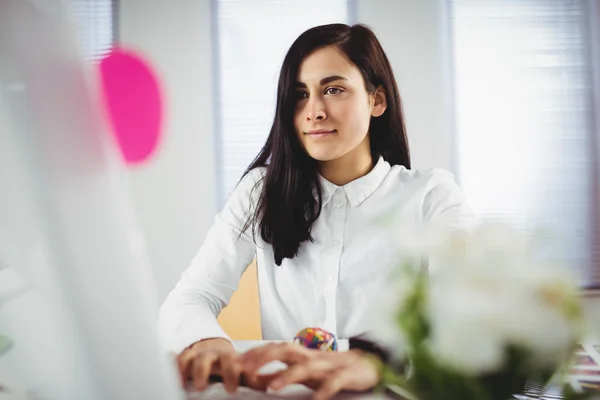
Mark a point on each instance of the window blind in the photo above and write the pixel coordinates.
(94, 26)
(524, 112)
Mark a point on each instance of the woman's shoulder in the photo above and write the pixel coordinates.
(249, 186)
(422, 178)
(441, 199)
(243, 199)
(253, 177)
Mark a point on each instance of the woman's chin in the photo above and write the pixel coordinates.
(322, 156)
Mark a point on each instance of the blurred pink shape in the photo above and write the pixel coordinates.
(132, 98)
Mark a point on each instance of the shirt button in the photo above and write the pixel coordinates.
(339, 205)
(336, 242)
(330, 279)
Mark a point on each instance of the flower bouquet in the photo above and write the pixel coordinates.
(490, 314)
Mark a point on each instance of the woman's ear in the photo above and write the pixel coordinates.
(379, 101)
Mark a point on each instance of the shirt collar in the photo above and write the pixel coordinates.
(359, 189)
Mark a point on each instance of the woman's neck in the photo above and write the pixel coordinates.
(347, 168)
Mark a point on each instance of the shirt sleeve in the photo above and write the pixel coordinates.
(445, 209)
(444, 204)
(190, 312)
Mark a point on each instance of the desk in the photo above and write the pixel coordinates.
(295, 392)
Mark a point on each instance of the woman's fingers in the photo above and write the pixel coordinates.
(260, 382)
(330, 373)
(358, 373)
(211, 356)
(230, 371)
(310, 373)
(341, 380)
(202, 367)
(288, 353)
(184, 362)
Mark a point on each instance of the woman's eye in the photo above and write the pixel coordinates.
(301, 95)
(333, 90)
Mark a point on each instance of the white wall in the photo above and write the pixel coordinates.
(175, 193)
(595, 55)
(413, 34)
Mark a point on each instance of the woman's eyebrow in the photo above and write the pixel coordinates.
(324, 81)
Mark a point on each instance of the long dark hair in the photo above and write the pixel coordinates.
(290, 199)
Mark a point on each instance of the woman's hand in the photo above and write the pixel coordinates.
(326, 372)
(208, 357)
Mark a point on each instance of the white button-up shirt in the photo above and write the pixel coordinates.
(332, 281)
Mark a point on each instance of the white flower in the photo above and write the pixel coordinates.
(490, 290)
(462, 332)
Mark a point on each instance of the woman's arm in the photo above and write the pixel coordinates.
(189, 314)
(444, 204)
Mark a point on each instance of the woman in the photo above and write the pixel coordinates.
(311, 206)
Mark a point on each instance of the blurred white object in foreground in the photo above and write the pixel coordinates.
(497, 287)
(77, 225)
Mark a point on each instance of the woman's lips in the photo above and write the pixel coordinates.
(320, 133)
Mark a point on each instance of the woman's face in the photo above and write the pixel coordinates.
(333, 108)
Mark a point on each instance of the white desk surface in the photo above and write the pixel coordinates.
(296, 392)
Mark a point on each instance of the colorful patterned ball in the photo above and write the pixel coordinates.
(316, 338)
